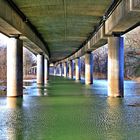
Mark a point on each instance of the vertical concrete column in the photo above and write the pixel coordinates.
(65, 69)
(70, 69)
(60, 69)
(54, 70)
(77, 69)
(14, 67)
(34, 70)
(40, 69)
(88, 68)
(115, 66)
(46, 69)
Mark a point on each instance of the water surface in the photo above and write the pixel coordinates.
(69, 110)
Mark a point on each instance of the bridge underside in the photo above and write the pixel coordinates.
(64, 24)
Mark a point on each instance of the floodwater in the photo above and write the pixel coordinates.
(69, 110)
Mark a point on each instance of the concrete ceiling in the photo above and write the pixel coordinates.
(64, 24)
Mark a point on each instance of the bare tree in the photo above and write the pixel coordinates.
(29, 60)
(132, 54)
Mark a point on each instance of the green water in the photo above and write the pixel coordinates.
(66, 110)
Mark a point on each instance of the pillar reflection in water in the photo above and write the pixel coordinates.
(14, 102)
(14, 129)
(42, 90)
(113, 117)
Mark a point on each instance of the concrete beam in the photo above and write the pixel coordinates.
(12, 24)
(126, 15)
(96, 41)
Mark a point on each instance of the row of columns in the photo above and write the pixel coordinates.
(115, 67)
(15, 68)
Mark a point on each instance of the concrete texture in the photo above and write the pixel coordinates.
(77, 69)
(14, 67)
(88, 68)
(12, 24)
(70, 69)
(115, 66)
(65, 69)
(46, 70)
(40, 69)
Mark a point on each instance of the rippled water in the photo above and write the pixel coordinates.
(67, 110)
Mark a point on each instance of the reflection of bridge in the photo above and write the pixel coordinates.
(60, 32)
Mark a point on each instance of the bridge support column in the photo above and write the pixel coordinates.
(40, 69)
(60, 69)
(54, 71)
(115, 66)
(46, 69)
(71, 69)
(77, 69)
(88, 68)
(65, 69)
(14, 68)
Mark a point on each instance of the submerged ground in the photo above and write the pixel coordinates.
(69, 110)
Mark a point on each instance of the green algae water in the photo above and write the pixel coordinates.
(69, 110)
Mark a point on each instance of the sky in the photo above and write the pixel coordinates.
(3, 40)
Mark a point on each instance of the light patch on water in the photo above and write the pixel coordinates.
(71, 111)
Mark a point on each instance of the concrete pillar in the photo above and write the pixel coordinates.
(65, 69)
(70, 69)
(54, 71)
(77, 69)
(34, 71)
(40, 69)
(88, 68)
(115, 66)
(60, 69)
(46, 69)
(14, 67)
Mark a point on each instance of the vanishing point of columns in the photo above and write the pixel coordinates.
(115, 67)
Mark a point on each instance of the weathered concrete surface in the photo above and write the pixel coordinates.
(65, 69)
(126, 14)
(12, 24)
(77, 69)
(54, 71)
(40, 69)
(60, 69)
(14, 67)
(88, 68)
(70, 69)
(64, 24)
(46, 70)
(115, 66)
